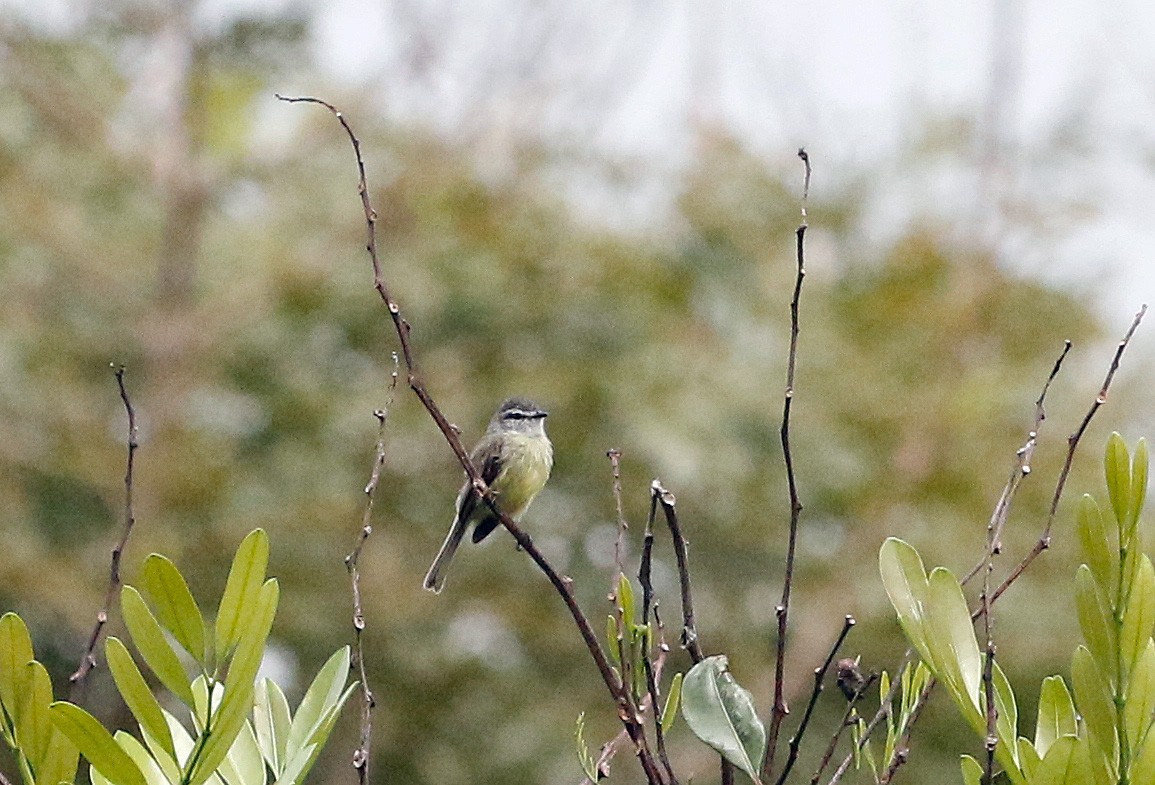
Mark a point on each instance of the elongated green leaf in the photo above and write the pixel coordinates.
(905, 581)
(1143, 763)
(1093, 697)
(33, 724)
(1139, 616)
(239, 688)
(136, 693)
(1094, 620)
(1061, 766)
(951, 639)
(321, 696)
(626, 601)
(1056, 717)
(96, 744)
(1140, 707)
(673, 699)
(1117, 471)
(1029, 758)
(1007, 720)
(298, 768)
(244, 764)
(150, 641)
(721, 713)
(175, 607)
(15, 653)
(272, 722)
(1101, 554)
(141, 757)
(246, 576)
(972, 770)
(1138, 483)
(60, 761)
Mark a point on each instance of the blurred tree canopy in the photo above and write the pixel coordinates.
(159, 208)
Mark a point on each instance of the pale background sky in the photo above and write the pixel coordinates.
(1060, 97)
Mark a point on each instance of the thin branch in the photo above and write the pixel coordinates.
(563, 584)
(651, 671)
(885, 709)
(902, 748)
(847, 720)
(690, 642)
(659, 495)
(819, 675)
(779, 710)
(88, 660)
(615, 457)
(1021, 470)
(1044, 541)
(361, 755)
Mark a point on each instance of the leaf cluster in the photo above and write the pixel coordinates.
(244, 732)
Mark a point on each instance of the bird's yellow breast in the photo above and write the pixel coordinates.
(526, 464)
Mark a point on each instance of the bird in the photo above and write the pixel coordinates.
(514, 458)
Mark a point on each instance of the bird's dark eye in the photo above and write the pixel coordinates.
(516, 415)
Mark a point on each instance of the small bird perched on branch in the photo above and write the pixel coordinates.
(514, 458)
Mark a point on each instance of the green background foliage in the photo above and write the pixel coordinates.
(218, 253)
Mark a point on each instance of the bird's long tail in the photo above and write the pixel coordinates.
(434, 580)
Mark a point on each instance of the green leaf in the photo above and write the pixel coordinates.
(1062, 765)
(612, 637)
(721, 713)
(904, 579)
(670, 710)
(1117, 470)
(136, 693)
(300, 764)
(246, 577)
(1007, 719)
(1029, 758)
(1094, 619)
(272, 722)
(1138, 484)
(60, 760)
(319, 699)
(238, 698)
(1139, 615)
(150, 641)
(1140, 706)
(589, 767)
(141, 757)
(951, 639)
(174, 605)
(34, 726)
(96, 744)
(1143, 763)
(972, 770)
(15, 653)
(1056, 717)
(244, 764)
(626, 601)
(1101, 554)
(1094, 699)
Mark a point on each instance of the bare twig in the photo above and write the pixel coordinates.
(885, 708)
(563, 584)
(615, 457)
(690, 642)
(819, 675)
(1021, 471)
(848, 719)
(361, 755)
(88, 660)
(660, 496)
(1044, 541)
(653, 691)
(779, 710)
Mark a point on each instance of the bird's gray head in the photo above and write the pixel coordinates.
(519, 415)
